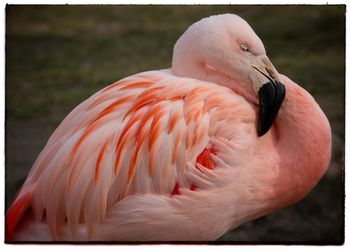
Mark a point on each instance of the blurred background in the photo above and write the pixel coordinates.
(57, 56)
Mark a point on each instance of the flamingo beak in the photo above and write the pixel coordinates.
(271, 93)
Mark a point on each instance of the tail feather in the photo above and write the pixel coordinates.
(15, 213)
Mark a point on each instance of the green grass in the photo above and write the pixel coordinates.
(56, 56)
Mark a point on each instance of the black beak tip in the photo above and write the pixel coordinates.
(271, 96)
(262, 129)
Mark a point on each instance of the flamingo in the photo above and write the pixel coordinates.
(180, 154)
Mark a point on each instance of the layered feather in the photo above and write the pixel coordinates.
(140, 135)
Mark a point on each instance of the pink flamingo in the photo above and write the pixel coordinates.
(185, 153)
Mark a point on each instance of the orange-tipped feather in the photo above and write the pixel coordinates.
(98, 161)
(137, 85)
(15, 213)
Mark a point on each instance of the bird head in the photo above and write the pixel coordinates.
(224, 49)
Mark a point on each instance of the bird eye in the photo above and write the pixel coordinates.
(244, 47)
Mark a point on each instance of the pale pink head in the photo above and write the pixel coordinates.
(224, 49)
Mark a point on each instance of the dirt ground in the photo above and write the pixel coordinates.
(57, 56)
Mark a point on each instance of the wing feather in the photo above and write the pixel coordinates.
(137, 136)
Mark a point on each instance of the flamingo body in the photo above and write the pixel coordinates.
(167, 155)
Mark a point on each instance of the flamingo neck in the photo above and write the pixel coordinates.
(304, 143)
(301, 142)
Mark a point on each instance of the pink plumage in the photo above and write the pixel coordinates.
(185, 153)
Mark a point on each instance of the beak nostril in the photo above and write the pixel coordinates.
(270, 72)
(268, 76)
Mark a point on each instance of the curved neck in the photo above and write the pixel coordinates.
(304, 143)
(301, 141)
